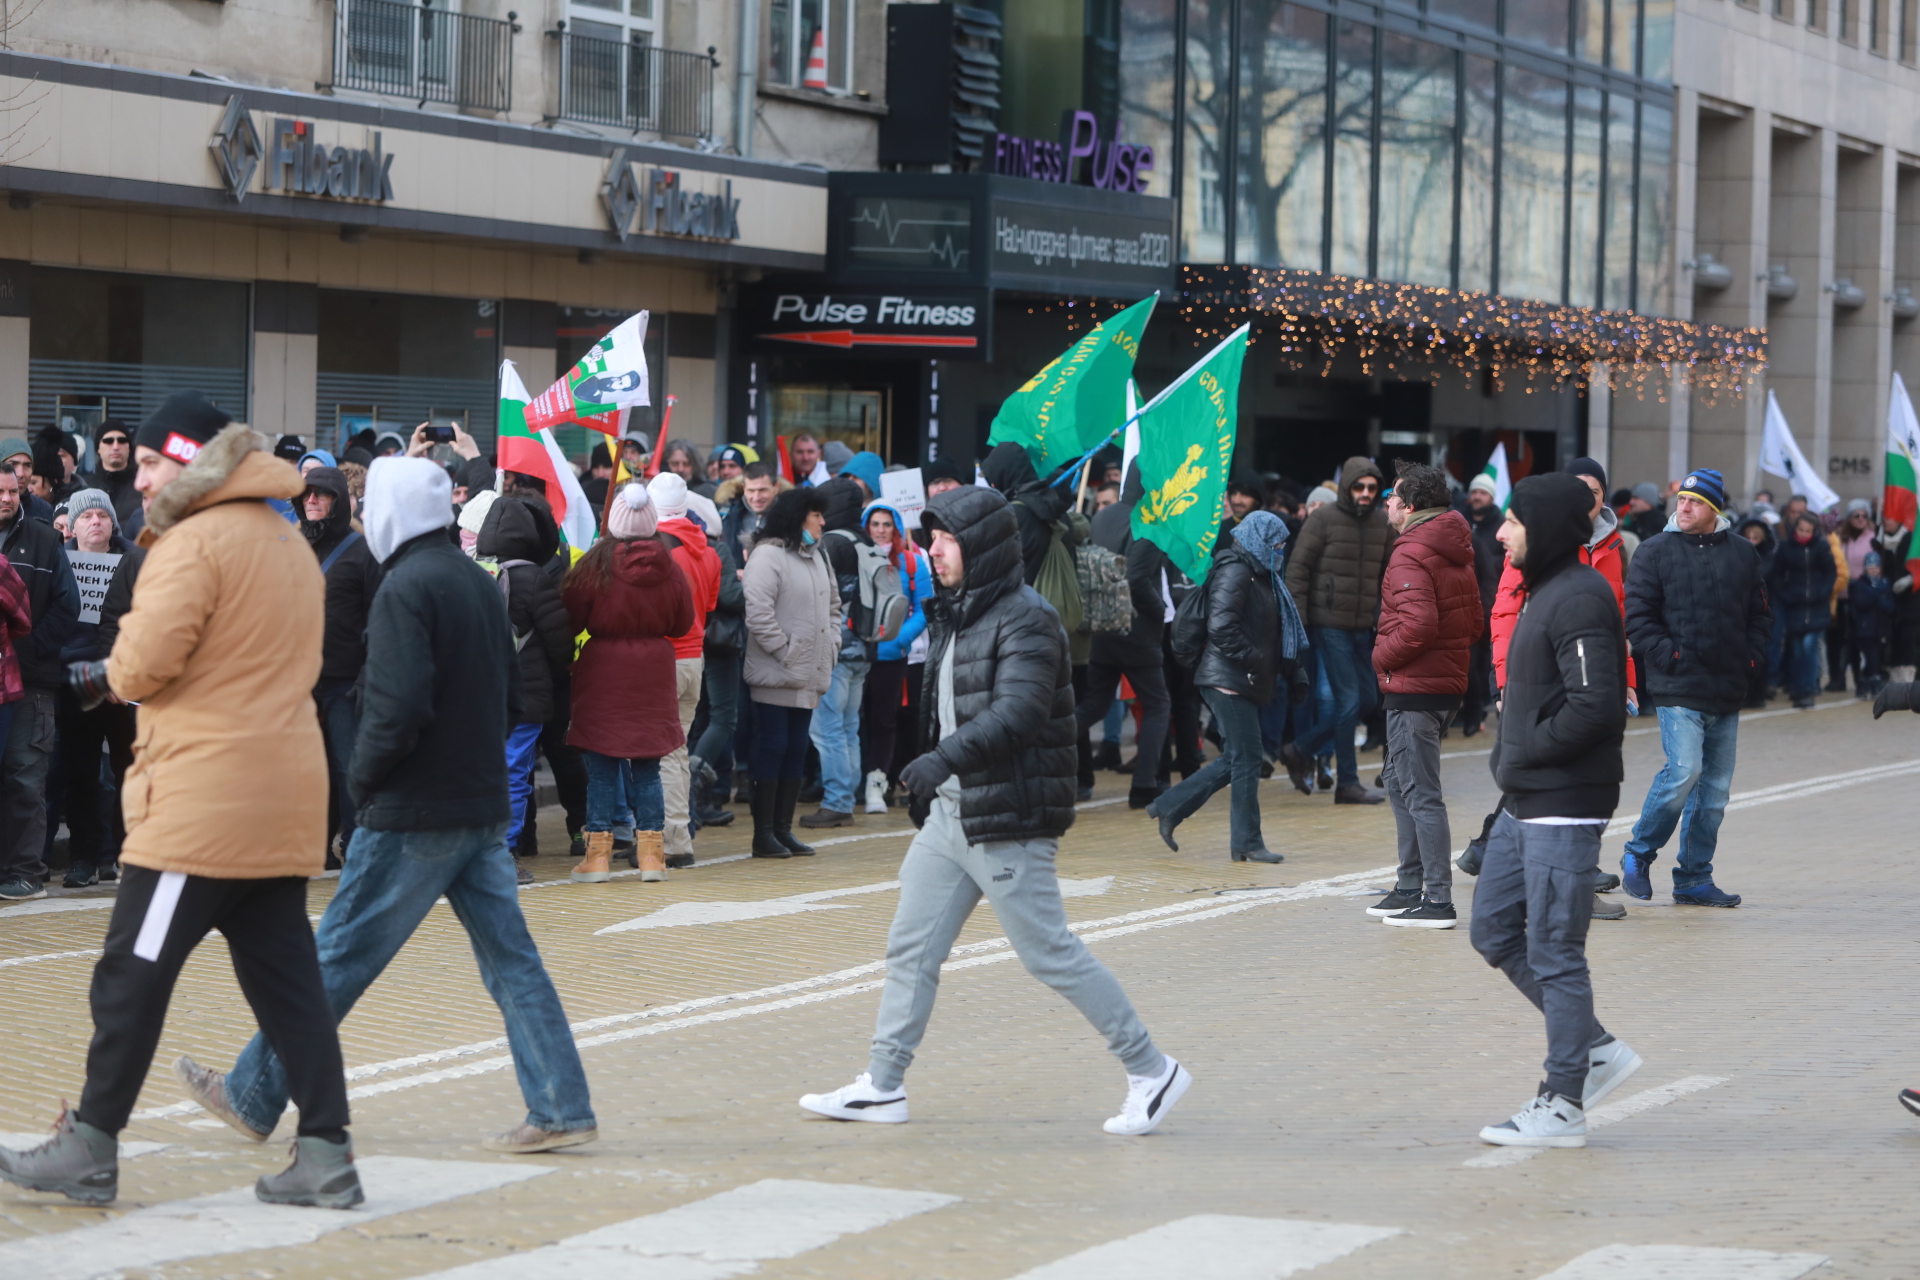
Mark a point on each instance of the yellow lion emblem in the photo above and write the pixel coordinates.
(1177, 495)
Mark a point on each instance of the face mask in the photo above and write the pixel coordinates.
(806, 537)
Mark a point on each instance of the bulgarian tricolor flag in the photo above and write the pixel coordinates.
(537, 453)
(610, 378)
(1902, 499)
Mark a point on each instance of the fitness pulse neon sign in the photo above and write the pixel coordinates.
(1111, 165)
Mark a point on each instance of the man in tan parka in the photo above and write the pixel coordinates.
(225, 803)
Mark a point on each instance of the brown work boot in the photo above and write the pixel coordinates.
(597, 866)
(651, 851)
(209, 1089)
(526, 1140)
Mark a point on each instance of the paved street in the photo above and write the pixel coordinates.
(1342, 1069)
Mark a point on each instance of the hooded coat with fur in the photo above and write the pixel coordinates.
(221, 650)
(1334, 568)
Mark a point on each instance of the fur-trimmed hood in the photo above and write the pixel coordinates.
(234, 465)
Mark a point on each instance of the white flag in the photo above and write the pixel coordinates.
(1130, 442)
(1781, 456)
(1496, 469)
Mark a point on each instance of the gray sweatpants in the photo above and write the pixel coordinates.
(1412, 782)
(1531, 909)
(941, 881)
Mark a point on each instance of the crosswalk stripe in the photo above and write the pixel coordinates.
(128, 1150)
(1216, 1246)
(1599, 1117)
(236, 1222)
(1684, 1262)
(56, 906)
(714, 1238)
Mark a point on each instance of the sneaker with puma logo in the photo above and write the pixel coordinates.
(859, 1101)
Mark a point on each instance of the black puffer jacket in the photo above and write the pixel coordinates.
(1698, 617)
(520, 534)
(352, 579)
(39, 556)
(1243, 628)
(1335, 566)
(1013, 749)
(1565, 714)
(1800, 584)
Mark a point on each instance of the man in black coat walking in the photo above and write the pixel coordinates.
(352, 575)
(1557, 762)
(1000, 771)
(1698, 615)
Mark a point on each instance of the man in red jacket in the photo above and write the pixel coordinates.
(1429, 621)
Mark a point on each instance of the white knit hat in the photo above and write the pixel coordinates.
(669, 493)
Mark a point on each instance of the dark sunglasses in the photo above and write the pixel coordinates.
(107, 440)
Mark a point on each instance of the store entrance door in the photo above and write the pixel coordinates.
(859, 418)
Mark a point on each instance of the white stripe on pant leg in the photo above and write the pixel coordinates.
(1684, 1262)
(159, 918)
(1216, 1246)
(714, 1238)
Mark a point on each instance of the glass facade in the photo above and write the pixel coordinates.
(1518, 146)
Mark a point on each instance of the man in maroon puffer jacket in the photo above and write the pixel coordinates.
(1430, 617)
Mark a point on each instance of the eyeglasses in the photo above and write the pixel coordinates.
(114, 440)
(1366, 486)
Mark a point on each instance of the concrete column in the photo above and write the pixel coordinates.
(1732, 209)
(1800, 237)
(1600, 417)
(1905, 339)
(1863, 338)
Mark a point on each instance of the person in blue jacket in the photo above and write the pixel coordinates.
(880, 710)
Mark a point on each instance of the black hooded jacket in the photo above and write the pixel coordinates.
(1014, 748)
(1800, 583)
(118, 486)
(1565, 714)
(1335, 565)
(1035, 505)
(845, 501)
(1139, 645)
(1698, 615)
(352, 578)
(520, 534)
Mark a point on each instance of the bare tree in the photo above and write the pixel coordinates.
(20, 107)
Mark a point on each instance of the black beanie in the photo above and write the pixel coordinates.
(47, 444)
(1589, 467)
(292, 448)
(945, 469)
(180, 426)
(1554, 510)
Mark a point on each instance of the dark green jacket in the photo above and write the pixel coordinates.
(1335, 564)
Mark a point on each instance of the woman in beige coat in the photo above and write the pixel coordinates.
(793, 629)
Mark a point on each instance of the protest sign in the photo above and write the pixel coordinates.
(906, 492)
(91, 573)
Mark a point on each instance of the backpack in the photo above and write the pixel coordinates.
(880, 608)
(1058, 581)
(1102, 576)
(1189, 636)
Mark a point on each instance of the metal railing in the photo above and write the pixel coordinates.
(635, 86)
(423, 52)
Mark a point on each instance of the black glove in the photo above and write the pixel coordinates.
(88, 680)
(918, 807)
(924, 774)
(1893, 697)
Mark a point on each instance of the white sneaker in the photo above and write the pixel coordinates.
(1149, 1098)
(877, 791)
(1548, 1121)
(1608, 1066)
(859, 1101)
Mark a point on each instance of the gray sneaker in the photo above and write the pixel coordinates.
(79, 1161)
(525, 1139)
(209, 1089)
(321, 1176)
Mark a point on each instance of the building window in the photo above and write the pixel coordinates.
(1909, 29)
(390, 361)
(810, 44)
(126, 342)
(1283, 94)
(1208, 111)
(1533, 167)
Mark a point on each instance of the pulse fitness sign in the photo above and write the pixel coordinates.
(1112, 165)
(945, 325)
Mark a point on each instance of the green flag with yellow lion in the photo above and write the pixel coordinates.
(1079, 399)
(1186, 450)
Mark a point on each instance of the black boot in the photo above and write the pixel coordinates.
(783, 818)
(765, 843)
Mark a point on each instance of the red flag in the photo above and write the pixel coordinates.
(786, 463)
(660, 443)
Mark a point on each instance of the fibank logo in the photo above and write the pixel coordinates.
(297, 163)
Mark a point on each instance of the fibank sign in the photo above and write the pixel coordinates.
(296, 161)
(665, 205)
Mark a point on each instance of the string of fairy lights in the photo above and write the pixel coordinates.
(1414, 330)
(1316, 318)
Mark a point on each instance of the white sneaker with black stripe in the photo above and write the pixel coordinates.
(860, 1101)
(1149, 1098)
(1608, 1066)
(1548, 1121)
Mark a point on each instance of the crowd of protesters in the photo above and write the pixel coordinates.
(751, 634)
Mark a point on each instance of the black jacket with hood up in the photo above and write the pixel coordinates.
(352, 579)
(519, 532)
(1565, 714)
(1035, 505)
(1334, 567)
(1014, 748)
(1698, 616)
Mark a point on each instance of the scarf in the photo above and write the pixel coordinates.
(1263, 535)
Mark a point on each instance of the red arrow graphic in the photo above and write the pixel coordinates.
(847, 338)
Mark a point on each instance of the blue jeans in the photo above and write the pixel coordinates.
(1800, 663)
(1690, 790)
(521, 742)
(615, 786)
(1346, 659)
(1238, 764)
(390, 881)
(836, 735)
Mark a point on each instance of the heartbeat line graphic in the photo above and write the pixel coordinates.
(882, 220)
